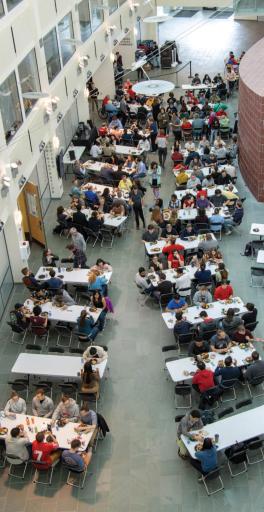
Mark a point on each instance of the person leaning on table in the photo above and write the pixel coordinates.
(45, 451)
(75, 460)
(95, 352)
(220, 342)
(67, 410)
(198, 346)
(191, 421)
(176, 304)
(42, 405)
(202, 296)
(15, 405)
(229, 372)
(205, 457)
(16, 443)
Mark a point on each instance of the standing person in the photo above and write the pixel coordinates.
(136, 198)
(153, 127)
(93, 94)
(231, 78)
(119, 60)
(78, 240)
(124, 112)
(154, 174)
(163, 120)
(162, 143)
(78, 257)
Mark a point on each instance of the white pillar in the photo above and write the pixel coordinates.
(13, 237)
(56, 187)
(83, 107)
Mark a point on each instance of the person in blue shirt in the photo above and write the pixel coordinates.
(216, 221)
(116, 124)
(53, 282)
(96, 282)
(91, 197)
(141, 170)
(203, 275)
(86, 326)
(205, 457)
(229, 372)
(75, 460)
(176, 304)
(236, 218)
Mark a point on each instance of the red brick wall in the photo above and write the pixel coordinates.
(251, 120)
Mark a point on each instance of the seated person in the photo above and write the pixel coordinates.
(164, 286)
(188, 202)
(79, 217)
(229, 193)
(202, 202)
(203, 275)
(188, 231)
(198, 346)
(208, 244)
(224, 291)
(223, 178)
(62, 298)
(16, 443)
(201, 217)
(218, 199)
(171, 246)
(96, 222)
(91, 197)
(205, 459)
(250, 316)
(168, 230)
(49, 259)
(177, 156)
(151, 234)
(29, 279)
(216, 221)
(175, 260)
(95, 352)
(125, 183)
(220, 342)
(190, 422)
(155, 264)
(75, 460)
(229, 372)
(181, 177)
(208, 324)
(182, 326)
(15, 405)
(176, 304)
(236, 218)
(202, 296)
(230, 322)
(53, 283)
(193, 181)
(174, 203)
(143, 282)
(20, 316)
(256, 369)
(203, 378)
(45, 450)
(242, 335)
(87, 328)
(90, 380)
(42, 405)
(67, 410)
(39, 322)
(208, 181)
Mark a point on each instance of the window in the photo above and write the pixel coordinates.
(97, 13)
(12, 3)
(52, 54)
(2, 12)
(10, 106)
(6, 278)
(39, 177)
(84, 19)
(113, 5)
(29, 79)
(66, 33)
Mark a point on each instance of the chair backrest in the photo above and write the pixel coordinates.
(228, 383)
(13, 459)
(165, 298)
(254, 444)
(257, 271)
(215, 473)
(78, 351)
(185, 338)
(238, 457)
(34, 348)
(225, 412)
(243, 403)
(257, 380)
(251, 327)
(57, 350)
(182, 389)
(15, 327)
(207, 335)
(201, 225)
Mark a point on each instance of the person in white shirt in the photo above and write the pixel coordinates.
(192, 182)
(16, 443)
(182, 281)
(95, 352)
(162, 143)
(15, 405)
(95, 150)
(142, 281)
(42, 405)
(230, 169)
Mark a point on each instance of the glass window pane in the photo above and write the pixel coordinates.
(29, 79)
(113, 5)
(10, 106)
(121, 2)
(7, 286)
(3, 257)
(42, 174)
(97, 13)
(12, 3)
(66, 32)
(52, 54)
(2, 12)
(45, 200)
(84, 19)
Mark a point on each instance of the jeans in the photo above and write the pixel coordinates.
(197, 465)
(229, 223)
(93, 333)
(214, 133)
(162, 156)
(101, 320)
(139, 213)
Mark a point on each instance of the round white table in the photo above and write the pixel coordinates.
(153, 87)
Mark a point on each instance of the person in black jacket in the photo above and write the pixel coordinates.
(79, 217)
(95, 223)
(49, 259)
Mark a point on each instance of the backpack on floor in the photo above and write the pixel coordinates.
(249, 250)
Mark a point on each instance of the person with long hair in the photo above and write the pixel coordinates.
(205, 457)
(98, 301)
(154, 174)
(97, 282)
(90, 380)
(86, 327)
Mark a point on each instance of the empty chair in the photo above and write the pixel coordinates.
(169, 348)
(184, 340)
(107, 237)
(256, 275)
(255, 452)
(33, 348)
(19, 332)
(78, 351)
(183, 390)
(164, 299)
(40, 468)
(212, 476)
(243, 403)
(225, 412)
(256, 384)
(64, 333)
(56, 350)
(236, 456)
(210, 397)
(229, 386)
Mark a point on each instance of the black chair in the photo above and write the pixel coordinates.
(178, 418)
(69, 388)
(251, 327)
(20, 385)
(243, 403)
(107, 236)
(211, 476)
(253, 384)
(236, 455)
(183, 390)
(17, 332)
(78, 351)
(15, 461)
(207, 335)
(184, 339)
(40, 467)
(257, 272)
(91, 235)
(164, 299)
(72, 470)
(169, 348)
(56, 350)
(186, 297)
(229, 385)
(209, 398)
(202, 226)
(225, 412)
(88, 398)
(45, 385)
(255, 446)
(33, 348)
(63, 332)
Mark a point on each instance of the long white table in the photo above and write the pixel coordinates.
(259, 228)
(99, 189)
(190, 87)
(260, 256)
(109, 220)
(156, 248)
(46, 365)
(69, 314)
(78, 150)
(215, 310)
(210, 191)
(128, 150)
(76, 276)
(171, 274)
(96, 166)
(205, 171)
(232, 430)
(191, 213)
(64, 434)
(183, 368)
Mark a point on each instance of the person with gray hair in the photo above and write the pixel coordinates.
(78, 239)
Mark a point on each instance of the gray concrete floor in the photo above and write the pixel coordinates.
(136, 469)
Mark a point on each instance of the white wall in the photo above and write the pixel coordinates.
(196, 3)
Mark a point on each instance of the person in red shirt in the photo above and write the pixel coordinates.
(200, 191)
(186, 125)
(172, 246)
(105, 100)
(45, 451)
(103, 130)
(224, 291)
(131, 93)
(203, 378)
(175, 260)
(177, 156)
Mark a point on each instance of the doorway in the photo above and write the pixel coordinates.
(32, 222)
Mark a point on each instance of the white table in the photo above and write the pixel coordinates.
(216, 310)
(128, 150)
(210, 191)
(260, 257)
(78, 150)
(171, 274)
(156, 248)
(178, 368)
(259, 227)
(99, 189)
(191, 213)
(153, 87)
(189, 87)
(204, 170)
(232, 430)
(76, 276)
(96, 166)
(68, 314)
(64, 434)
(109, 220)
(45, 365)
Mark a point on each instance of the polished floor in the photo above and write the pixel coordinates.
(136, 469)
